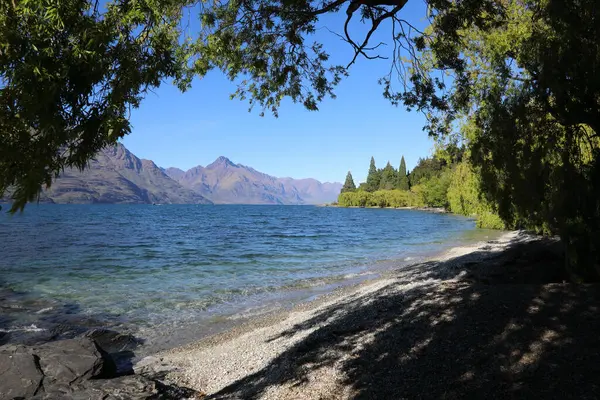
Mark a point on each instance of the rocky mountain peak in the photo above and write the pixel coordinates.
(221, 162)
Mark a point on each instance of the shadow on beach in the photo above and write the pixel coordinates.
(505, 326)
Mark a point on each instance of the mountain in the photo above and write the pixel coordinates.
(117, 176)
(225, 182)
(312, 191)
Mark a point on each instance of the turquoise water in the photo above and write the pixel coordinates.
(152, 269)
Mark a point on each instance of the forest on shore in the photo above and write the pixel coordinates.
(445, 179)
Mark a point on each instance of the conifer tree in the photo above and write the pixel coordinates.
(402, 181)
(349, 185)
(373, 177)
(388, 178)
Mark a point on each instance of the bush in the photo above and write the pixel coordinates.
(464, 197)
(381, 198)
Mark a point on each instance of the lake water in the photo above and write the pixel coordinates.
(174, 272)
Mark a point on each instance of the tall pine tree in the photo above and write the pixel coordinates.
(373, 177)
(388, 178)
(402, 181)
(349, 185)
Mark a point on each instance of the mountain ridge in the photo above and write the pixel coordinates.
(116, 175)
(226, 182)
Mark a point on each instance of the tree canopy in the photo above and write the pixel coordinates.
(349, 185)
(402, 179)
(373, 177)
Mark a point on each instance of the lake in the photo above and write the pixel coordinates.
(171, 273)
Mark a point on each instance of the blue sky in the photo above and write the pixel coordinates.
(194, 128)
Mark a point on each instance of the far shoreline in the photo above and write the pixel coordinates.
(437, 210)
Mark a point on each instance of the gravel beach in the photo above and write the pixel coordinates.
(493, 320)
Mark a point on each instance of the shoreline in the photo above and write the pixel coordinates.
(226, 364)
(273, 317)
(436, 210)
(297, 299)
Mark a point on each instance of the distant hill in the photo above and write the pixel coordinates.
(225, 182)
(118, 176)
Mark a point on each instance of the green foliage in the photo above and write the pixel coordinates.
(373, 177)
(464, 191)
(70, 71)
(349, 185)
(465, 197)
(388, 178)
(402, 180)
(426, 169)
(359, 198)
(526, 95)
(435, 189)
(380, 198)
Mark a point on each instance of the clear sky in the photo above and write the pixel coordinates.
(196, 127)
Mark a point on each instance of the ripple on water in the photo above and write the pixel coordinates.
(141, 267)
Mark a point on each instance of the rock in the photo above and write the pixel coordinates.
(112, 341)
(20, 375)
(72, 361)
(132, 387)
(152, 367)
(119, 346)
(125, 387)
(75, 369)
(4, 338)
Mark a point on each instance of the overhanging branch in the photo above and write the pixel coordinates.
(355, 5)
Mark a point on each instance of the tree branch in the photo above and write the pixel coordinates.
(355, 5)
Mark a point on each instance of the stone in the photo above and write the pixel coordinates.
(76, 369)
(119, 346)
(72, 361)
(152, 367)
(20, 375)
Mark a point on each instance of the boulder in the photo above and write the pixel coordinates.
(119, 346)
(20, 375)
(121, 388)
(76, 369)
(72, 361)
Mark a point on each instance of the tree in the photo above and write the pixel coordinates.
(425, 169)
(349, 185)
(388, 178)
(530, 116)
(71, 70)
(402, 181)
(373, 177)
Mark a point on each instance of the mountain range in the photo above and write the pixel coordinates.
(225, 182)
(116, 175)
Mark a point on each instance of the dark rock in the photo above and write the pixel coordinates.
(20, 374)
(76, 369)
(112, 341)
(121, 388)
(4, 338)
(119, 346)
(72, 361)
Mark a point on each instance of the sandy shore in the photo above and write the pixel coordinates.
(483, 320)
